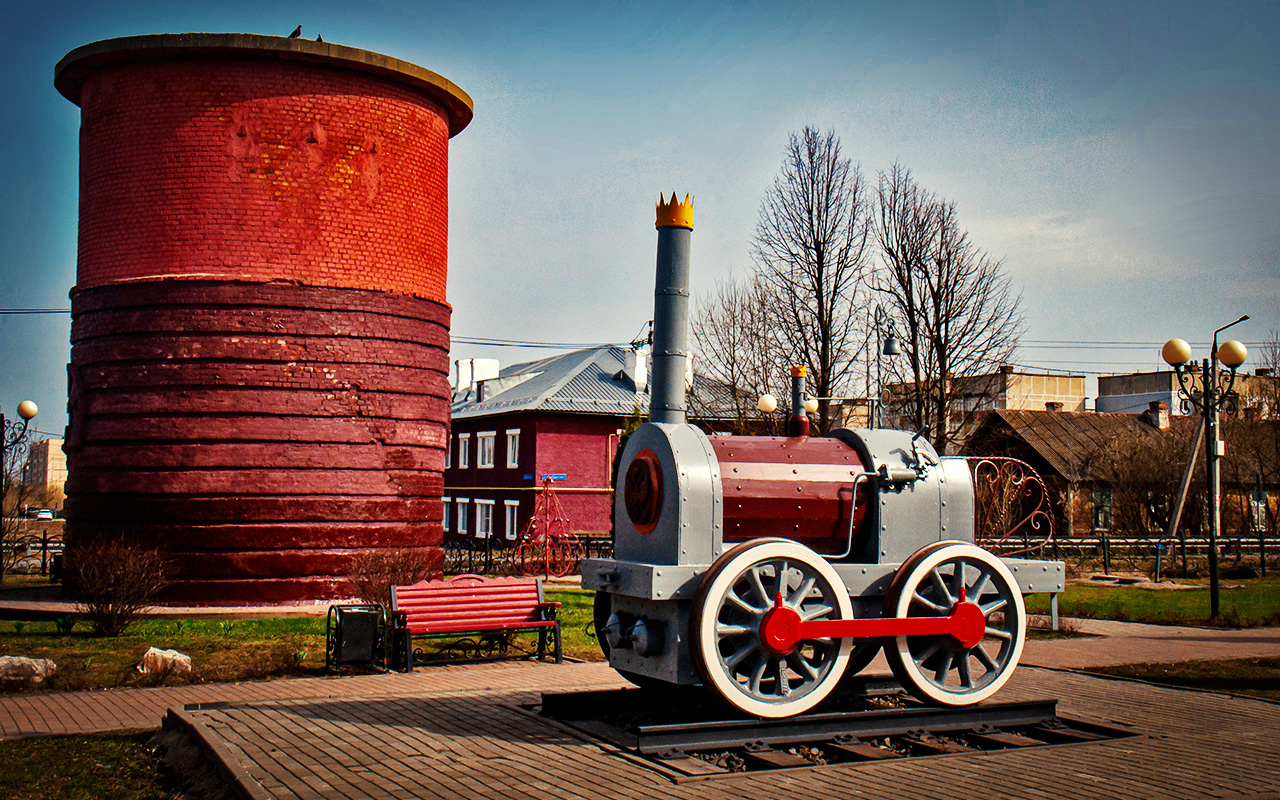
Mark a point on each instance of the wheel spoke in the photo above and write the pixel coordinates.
(941, 586)
(941, 675)
(994, 605)
(979, 586)
(957, 579)
(966, 680)
(985, 657)
(802, 665)
(732, 597)
(780, 579)
(999, 634)
(798, 596)
(758, 584)
(927, 603)
(734, 630)
(813, 612)
(741, 653)
(931, 651)
(753, 683)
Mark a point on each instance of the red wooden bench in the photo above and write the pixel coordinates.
(471, 604)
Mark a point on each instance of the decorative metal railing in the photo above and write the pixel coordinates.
(1012, 509)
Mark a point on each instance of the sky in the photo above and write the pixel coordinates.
(1121, 159)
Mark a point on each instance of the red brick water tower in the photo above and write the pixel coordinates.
(260, 335)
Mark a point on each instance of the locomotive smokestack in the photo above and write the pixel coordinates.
(671, 311)
(798, 422)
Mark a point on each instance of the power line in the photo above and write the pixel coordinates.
(481, 340)
(35, 311)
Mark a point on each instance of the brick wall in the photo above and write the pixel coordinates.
(261, 170)
(260, 433)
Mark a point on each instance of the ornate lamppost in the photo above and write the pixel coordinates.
(1214, 392)
(12, 435)
(888, 346)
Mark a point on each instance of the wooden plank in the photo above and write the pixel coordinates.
(1002, 739)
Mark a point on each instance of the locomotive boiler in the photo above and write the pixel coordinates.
(768, 568)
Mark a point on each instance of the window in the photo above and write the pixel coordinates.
(484, 519)
(464, 450)
(484, 442)
(444, 523)
(448, 452)
(512, 508)
(513, 448)
(462, 515)
(1102, 509)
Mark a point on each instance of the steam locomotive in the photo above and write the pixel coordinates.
(768, 568)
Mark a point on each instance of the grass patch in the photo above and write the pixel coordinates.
(1244, 604)
(237, 650)
(220, 650)
(1258, 677)
(81, 767)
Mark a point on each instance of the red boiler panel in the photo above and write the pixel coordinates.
(797, 488)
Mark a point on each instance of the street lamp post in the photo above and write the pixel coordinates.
(12, 435)
(1215, 392)
(887, 347)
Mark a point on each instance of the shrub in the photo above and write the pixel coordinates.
(113, 580)
(374, 572)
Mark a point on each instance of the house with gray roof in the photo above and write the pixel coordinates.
(561, 416)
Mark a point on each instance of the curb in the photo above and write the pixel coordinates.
(242, 784)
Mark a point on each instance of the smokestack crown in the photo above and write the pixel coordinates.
(675, 214)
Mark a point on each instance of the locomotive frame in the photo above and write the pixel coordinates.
(768, 568)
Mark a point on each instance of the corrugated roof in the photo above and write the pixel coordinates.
(587, 381)
(1069, 441)
(590, 381)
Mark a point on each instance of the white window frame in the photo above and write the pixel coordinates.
(462, 515)
(511, 521)
(484, 527)
(486, 444)
(513, 448)
(464, 450)
(444, 523)
(448, 452)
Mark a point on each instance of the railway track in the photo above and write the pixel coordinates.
(686, 737)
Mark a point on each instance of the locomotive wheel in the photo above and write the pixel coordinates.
(938, 668)
(728, 608)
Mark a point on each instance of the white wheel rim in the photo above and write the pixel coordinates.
(938, 668)
(733, 659)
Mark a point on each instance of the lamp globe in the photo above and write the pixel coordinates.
(1175, 352)
(27, 409)
(1232, 353)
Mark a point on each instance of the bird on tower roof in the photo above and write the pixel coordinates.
(296, 32)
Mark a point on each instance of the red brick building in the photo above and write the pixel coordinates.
(560, 416)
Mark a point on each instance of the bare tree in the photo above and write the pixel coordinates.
(959, 319)
(732, 333)
(812, 248)
(15, 495)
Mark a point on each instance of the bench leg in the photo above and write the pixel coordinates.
(406, 648)
(559, 654)
(542, 643)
